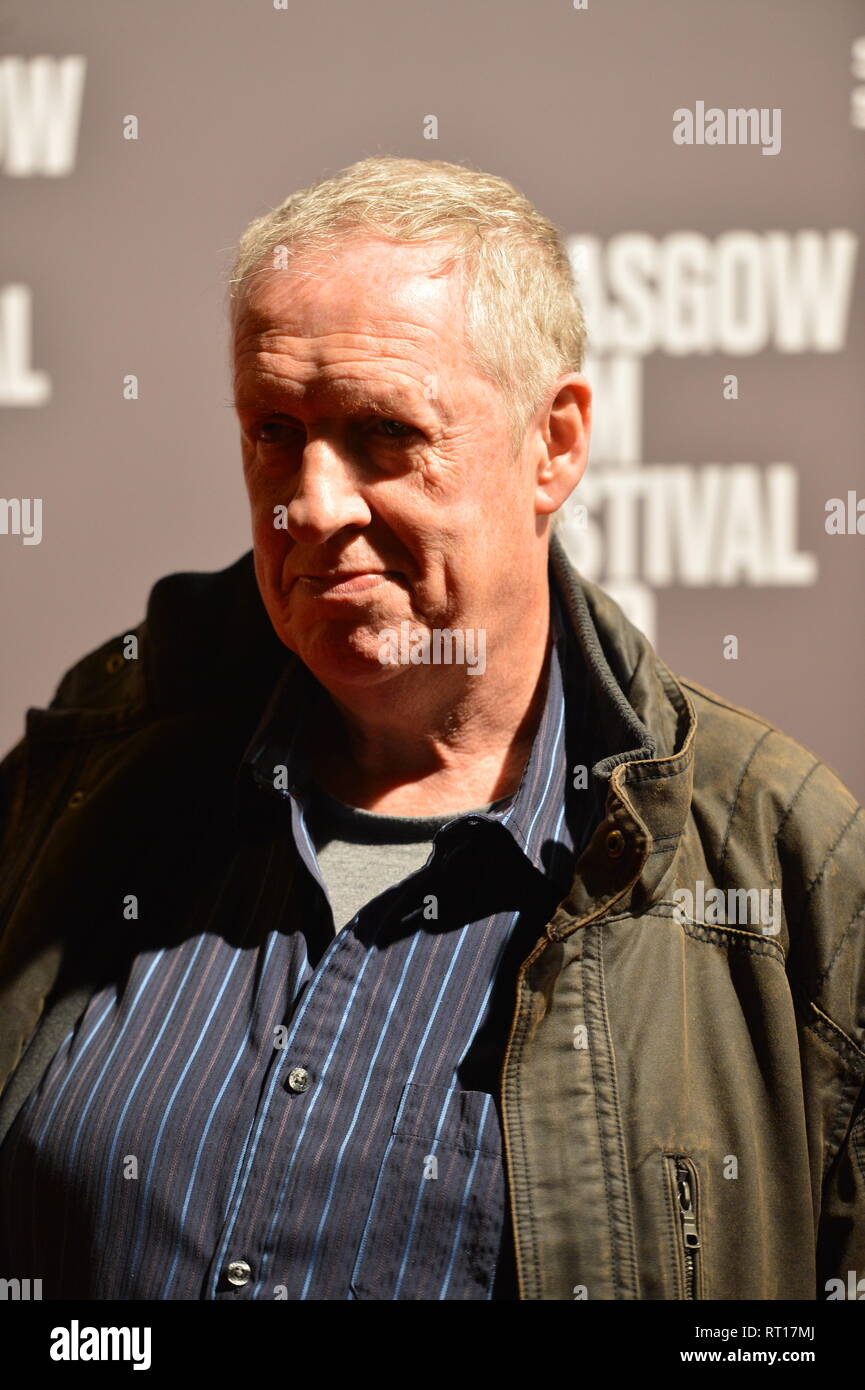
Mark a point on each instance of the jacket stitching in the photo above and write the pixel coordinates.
(624, 1278)
(743, 774)
(783, 821)
(666, 1183)
(729, 936)
(653, 770)
(713, 699)
(824, 975)
(590, 958)
(673, 690)
(838, 1130)
(779, 875)
(844, 1046)
(519, 1040)
(829, 854)
(536, 1257)
(737, 937)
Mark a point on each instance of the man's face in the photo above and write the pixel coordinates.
(362, 417)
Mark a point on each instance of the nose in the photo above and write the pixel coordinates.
(326, 498)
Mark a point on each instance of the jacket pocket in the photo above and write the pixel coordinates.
(435, 1221)
(683, 1190)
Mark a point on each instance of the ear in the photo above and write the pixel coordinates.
(563, 430)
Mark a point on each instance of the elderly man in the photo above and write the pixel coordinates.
(382, 919)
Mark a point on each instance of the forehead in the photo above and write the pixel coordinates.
(365, 294)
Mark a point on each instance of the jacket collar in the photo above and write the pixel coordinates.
(650, 784)
(208, 640)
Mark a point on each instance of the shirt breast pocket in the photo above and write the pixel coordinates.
(435, 1221)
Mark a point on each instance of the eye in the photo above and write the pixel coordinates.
(272, 432)
(394, 429)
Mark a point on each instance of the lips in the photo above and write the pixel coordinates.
(345, 581)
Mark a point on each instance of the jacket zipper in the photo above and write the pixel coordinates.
(685, 1183)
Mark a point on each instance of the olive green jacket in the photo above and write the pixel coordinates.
(682, 1090)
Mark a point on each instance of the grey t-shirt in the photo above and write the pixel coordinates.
(361, 853)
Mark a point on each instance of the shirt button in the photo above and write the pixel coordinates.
(238, 1273)
(615, 844)
(298, 1079)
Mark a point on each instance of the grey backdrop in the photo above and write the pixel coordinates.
(120, 257)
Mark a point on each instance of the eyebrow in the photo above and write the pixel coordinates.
(267, 398)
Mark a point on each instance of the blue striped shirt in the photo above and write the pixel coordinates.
(261, 1108)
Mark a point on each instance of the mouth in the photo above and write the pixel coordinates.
(345, 581)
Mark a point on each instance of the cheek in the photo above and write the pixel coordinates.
(268, 574)
(270, 545)
(262, 522)
(261, 489)
(265, 494)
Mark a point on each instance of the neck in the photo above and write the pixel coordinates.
(436, 738)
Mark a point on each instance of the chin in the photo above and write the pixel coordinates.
(342, 663)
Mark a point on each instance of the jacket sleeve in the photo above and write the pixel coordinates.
(828, 948)
(85, 685)
(14, 784)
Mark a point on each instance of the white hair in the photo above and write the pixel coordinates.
(524, 321)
